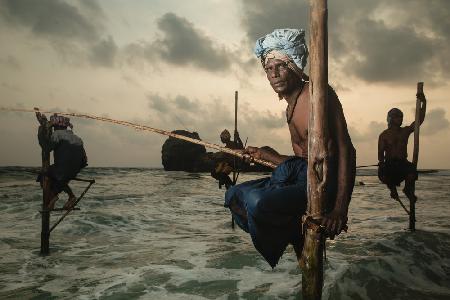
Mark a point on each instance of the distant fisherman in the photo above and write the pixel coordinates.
(69, 157)
(392, 152)
(270, 209)
(226, 165)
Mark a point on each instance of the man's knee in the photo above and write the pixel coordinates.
(254, 203)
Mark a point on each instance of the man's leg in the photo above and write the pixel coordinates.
(71, 201)
(410, 187)
(393, 189)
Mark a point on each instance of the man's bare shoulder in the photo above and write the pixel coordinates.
(384, 133)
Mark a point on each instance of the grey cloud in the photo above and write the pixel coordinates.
(183, 44)
(104, 53)
(209, 118)
(389, 55)
(158, 103)
(412, 46)
(262, 17)
(74, 29)
(435, 121)
(369, 134)
(184, 103)
(50, 18)
(267, 120)
(10, 62)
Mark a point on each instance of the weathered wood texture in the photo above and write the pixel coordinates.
(312, 255)
(412, 204)
(44, 133)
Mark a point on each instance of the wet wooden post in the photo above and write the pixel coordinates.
(235, 130)
(412, 204)
(312, 255)
(44, 133)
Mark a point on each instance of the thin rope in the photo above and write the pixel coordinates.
(147, 128)
(367, 166)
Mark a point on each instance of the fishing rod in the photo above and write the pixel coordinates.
(148, 128)
(376, 165)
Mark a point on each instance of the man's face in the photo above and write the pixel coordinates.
(397, 120)
(281, 78)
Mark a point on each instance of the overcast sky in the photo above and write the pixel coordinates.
(176, 64)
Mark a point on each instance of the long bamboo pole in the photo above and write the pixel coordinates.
(412, 203)
(312, 255)
(148, 128)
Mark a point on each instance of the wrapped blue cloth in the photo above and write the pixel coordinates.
(273, 207)
(290, 42)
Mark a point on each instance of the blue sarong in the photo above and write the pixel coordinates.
(274, 206)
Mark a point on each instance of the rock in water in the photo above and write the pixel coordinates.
(179, 155)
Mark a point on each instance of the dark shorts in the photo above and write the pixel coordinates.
(270, 208)
(393, 172)
(69, 160)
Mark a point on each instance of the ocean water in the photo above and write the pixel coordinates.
(151, 234)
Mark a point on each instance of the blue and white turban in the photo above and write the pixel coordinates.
(285, 44)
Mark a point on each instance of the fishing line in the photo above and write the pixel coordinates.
(147, 128)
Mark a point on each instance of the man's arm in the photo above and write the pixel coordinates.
(346, 156)
(423, 109)
(258, 153)
(238, 140)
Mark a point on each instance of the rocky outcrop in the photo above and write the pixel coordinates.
(179, 155)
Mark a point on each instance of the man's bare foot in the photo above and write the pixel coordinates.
(70, 202)
(410, 194)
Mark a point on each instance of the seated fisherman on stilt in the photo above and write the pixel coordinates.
(227, 162)
(270, 209)
(393, 165)
(69, 158)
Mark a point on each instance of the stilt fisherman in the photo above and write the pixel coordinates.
(270, 209)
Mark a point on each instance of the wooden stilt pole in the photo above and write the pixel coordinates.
(235, 130)
(44, 133)
(312, 255)
(412, 204)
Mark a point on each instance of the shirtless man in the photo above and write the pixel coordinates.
(393, 166)
(270, 208)
(227, 163)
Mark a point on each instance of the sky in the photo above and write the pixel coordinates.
(176, 65)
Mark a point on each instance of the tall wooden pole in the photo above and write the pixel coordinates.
(235, 109)
(312, 255)
(412, 204)
(235, 130)
(44, 133)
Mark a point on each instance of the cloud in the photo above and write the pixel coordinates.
(74, 29)
(263, 16)
(375, 41)
(10, 62)
(51, 18)
(209, 118)
(183, 44)
(180, 43)
(435, 121)
(104, 53)
(368, 134)
(184, 103)
(158, 103)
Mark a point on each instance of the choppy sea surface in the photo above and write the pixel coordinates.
(151, 234)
